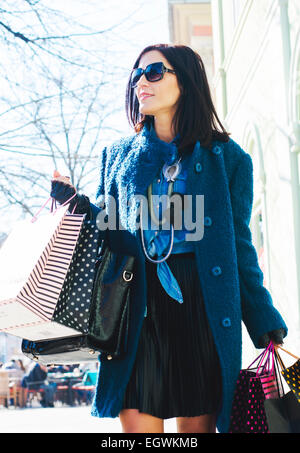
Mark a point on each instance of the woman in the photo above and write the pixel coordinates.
(191, 291)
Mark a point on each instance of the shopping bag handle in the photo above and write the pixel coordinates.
(295, 357)
(56, 208)
(282, 366)
(34, 217)
(277, 373)
(260, 356)
(264, 364)
(63, 204)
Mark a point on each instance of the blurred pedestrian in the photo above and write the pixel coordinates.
(36, 379)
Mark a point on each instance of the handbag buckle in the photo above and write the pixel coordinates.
(127, 276)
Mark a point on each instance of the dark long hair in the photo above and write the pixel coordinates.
(195, 118)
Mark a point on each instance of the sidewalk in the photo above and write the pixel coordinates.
(62, 420)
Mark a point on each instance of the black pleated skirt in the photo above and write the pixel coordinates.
(176, 371)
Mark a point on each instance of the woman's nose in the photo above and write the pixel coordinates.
(142, 81)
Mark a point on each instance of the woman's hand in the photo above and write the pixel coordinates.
(64, 179)
(61, 188)
(276, 336)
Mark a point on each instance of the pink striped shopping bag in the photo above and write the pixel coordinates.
(34, 261)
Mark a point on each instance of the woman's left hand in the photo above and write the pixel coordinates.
(276, 336)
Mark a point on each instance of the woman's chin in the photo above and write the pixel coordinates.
(146, 111)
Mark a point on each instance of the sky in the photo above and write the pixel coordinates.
(146, 22)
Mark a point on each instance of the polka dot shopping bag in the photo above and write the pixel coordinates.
(73, 306)
(253, 386)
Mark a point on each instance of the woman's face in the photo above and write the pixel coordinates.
(165, 92)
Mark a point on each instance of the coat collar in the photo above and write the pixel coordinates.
(148, 154)
(159, 148)
(168, 150)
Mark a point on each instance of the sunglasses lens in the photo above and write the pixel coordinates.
(135, 76)
(154, 72)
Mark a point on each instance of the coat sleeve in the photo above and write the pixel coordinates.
(96, 208)
(258, 312)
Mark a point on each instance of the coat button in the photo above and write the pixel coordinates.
(198, 167)
(216, 270)
(207, 221)
(226, 322)
(217, 149)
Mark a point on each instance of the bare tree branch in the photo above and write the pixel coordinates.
(54, 108)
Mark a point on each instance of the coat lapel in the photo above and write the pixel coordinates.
(195, 183)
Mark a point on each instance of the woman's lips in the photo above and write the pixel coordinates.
(146, 96)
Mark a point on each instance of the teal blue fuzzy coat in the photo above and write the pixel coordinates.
(227, 263)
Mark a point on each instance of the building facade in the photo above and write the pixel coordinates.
(251, 50)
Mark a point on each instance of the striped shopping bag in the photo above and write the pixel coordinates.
(34, 261)
(270, 378)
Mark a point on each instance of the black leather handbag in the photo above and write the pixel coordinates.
(109, 316)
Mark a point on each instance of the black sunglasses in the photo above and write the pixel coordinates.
(153, 73)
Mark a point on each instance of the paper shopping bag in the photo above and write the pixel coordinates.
(248, 412)
(254, 386)
(34, 261)
(283, 414)
(291, 374)
(73, 306)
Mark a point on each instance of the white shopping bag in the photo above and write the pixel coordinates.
(34, 261)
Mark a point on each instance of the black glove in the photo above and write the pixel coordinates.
(61, 192)
(275, 335)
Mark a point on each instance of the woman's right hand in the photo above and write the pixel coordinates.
(61, 188)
